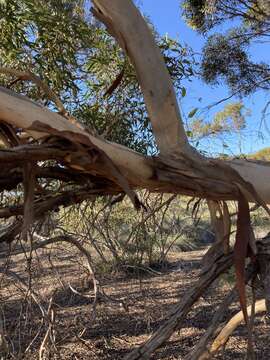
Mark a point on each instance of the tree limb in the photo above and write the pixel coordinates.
(127, 25)
(228, 329)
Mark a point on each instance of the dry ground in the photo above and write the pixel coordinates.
(116, 329)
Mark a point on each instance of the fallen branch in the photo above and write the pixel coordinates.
(228, 329)
(180, 311)
(200, 347)
(48, 334)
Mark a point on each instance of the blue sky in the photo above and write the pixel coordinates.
(166, 17)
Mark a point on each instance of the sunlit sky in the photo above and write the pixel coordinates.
(166, 17)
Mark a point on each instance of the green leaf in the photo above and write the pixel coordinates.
(183, 92)
(192, 112)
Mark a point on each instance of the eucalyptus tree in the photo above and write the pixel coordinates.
(35, 137)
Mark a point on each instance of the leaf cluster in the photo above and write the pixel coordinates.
(60, 41)
(231, 119)
(225, 56)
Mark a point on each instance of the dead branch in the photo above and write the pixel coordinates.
(200, 347)
(228, 329)
(29, 184)
(181, 310)
(25, 287)
(52, 203)
(51, 317)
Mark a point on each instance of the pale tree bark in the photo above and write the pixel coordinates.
(256, 173)
(178, 169)
(126, 24)
(179, 175)
(229, 328)
(21, 112)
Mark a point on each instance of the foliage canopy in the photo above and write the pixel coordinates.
(61, 42)
(225, 55)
